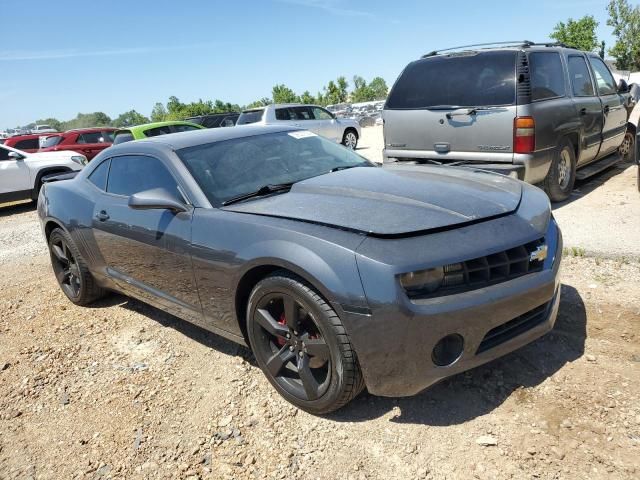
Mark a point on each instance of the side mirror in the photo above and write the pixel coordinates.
(156, 199)
(16, 156)
(622, 86)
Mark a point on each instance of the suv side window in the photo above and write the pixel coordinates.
(94, 137)
(99, 176)
(321, 114)
(580, 78)
(30, 144)
(130, 174)
(283, 114)
(547, 75)
(604, 80)
(301, 113)
(4, 154)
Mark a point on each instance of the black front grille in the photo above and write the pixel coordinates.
(513, 328)
(485, 271)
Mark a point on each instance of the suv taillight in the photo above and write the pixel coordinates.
(524, 135)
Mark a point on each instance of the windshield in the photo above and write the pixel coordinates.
(231, 168)
(250, 116)
(469, 80)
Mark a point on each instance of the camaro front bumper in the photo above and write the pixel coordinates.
(395, 342)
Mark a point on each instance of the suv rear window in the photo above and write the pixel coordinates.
(250, 116)
(50, 141)
(463, 80)
(30, 144)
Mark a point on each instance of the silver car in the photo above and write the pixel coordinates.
(544, 114)
(317, 119)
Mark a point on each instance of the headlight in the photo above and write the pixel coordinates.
(80, 159)
(427, 281)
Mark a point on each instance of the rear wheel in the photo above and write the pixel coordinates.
(301, 346)
(71, 271)
(350, 139)
(562, 173)
(628, 145)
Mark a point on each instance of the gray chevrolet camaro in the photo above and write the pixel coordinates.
(338, 274)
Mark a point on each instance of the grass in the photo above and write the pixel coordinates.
(573, 252)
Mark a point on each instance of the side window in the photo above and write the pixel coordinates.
(547, 76)
(4, 154)
(283, 114)
(99, 176)
(31, 144)
(581, 84)
(121, 137)
(604, 80)
(301, 113)
(154, 132)
(131, 174)
(94, 137)
(321, 114)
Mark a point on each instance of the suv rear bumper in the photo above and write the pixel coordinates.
(531, 168)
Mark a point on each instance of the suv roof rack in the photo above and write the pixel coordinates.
(515, 43)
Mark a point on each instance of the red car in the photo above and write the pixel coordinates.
(26, 143)
(87, 141)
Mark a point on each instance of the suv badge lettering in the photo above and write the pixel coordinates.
(539, 254)
(494, 148)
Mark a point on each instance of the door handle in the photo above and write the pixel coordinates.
(606, 109)
(102, 216)
(583, 111)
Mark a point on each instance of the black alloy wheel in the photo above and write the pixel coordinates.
(292, 332)
(71, 271)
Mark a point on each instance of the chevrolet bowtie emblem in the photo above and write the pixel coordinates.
(539, 254)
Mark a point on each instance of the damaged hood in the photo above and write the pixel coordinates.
(393, 200)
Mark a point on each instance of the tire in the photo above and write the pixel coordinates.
(628, 146)
(301, 345)
(562, 173)
(71, 270)
(350, 138)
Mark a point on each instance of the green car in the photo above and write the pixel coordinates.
(147, 130)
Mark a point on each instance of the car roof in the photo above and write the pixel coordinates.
(148, 126)
(177, 141)
(212, 115)
(29, 136)
(91, 130)
(499, 46)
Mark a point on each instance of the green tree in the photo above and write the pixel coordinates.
(129, 119)
(263, 102)
(580, 34)
(283, 94)
(625, 20)
(361, 91)
(159, 113)
(379, 89)
(307, 98)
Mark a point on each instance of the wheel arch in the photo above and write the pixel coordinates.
(50, 225)
(352, 129)
(262, 269)
(46, 171)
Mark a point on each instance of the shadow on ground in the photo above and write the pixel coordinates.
(582, 188)
(8, 209)
(453, 401)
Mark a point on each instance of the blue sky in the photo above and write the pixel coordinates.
(65, 57)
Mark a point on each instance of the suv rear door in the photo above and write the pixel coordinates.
(615, 115)
(457, 107)
(587, 105)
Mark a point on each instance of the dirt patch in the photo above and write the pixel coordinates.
(122, 390)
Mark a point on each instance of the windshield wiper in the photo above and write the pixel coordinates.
(468, 111)
(264, 190)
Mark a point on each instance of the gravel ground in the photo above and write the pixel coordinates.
(122, 390)
(601, 218)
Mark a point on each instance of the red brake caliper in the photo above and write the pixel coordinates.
(281, 321)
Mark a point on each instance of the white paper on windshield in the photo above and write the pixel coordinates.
(302, 134)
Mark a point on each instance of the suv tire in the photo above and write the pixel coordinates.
(562, 173)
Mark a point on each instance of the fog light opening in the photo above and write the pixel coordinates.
(447, 350)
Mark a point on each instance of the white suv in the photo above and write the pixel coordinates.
(310, 117)
(21, 173)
